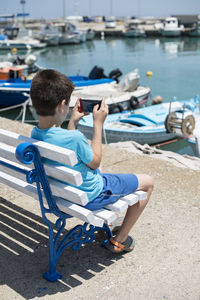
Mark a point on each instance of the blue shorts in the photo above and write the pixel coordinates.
(115, 186)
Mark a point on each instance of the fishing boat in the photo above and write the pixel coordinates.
(145, 125)
(126, 94)
(132, 29)
(171, 28)
(195, 31)
(14, 87)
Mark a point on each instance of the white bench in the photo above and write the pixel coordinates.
(23, 170)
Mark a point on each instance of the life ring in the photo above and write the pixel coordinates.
(134, 102)
(115, 108)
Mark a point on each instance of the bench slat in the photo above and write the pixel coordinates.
(120, 206)
(65, 206)
(53, 152)
(107, 215)
(59, 172)
(131, 199)
(58, 189)
(68, 192)
(64, 174)
(142, 195)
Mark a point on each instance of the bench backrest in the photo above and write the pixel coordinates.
(8, 143)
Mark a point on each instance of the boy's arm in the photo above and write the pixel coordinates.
(99, 117)
(75, 116)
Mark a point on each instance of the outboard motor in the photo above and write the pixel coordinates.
(19, 61)
(115, 74)
(97, 73)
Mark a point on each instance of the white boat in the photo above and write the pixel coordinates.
(23, 40)
(69, 34)
(125, 95)
(145, 125)
(171, 28)
(49, 34)
(110, 22)
(132, 29)
(28, 44)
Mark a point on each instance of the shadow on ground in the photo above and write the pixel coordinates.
(24, 255)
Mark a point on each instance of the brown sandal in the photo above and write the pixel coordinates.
(116, 247)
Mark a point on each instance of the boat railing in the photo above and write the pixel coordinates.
(23, 112)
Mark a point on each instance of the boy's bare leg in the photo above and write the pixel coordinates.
(146, 184)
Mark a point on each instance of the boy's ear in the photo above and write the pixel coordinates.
(61, 105)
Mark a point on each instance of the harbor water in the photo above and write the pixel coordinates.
(174, 63)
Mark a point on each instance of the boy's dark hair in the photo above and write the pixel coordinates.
(48, 88)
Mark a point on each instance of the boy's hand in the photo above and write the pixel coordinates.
(76, 115)
(99, 115)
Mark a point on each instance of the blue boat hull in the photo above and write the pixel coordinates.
(17, 91)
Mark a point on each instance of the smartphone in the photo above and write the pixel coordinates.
(87, 105)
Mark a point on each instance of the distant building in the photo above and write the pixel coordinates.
(187, 20)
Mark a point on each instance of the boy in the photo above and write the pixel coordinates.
(50, 94)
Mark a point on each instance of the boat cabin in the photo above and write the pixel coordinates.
(171, 22)
(11, 73)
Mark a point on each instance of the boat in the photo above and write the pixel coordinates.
(171, 28)
(194, 139)
(49, 34)
(132, 29)
(14, 87)
(195, 30)
(27, 64)
(144, 126)
(90, 34)
(69, 34)
(23, 40)
(126, 94)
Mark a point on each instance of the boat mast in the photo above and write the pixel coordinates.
(139, 9)
(111, 7)
(23, 2)
(64, 9)
(90, 8)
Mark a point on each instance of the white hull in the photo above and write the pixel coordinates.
(114, 136)
(134, 33)
(171, 33)
(112, 95)
(21, 44)
(69, 39)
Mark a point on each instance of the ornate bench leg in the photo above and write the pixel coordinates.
(52, 274)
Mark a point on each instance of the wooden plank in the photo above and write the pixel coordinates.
(68, 192)
(79, 212)
(131, 199)
(65, 206)
(59, 172)
(107, 215)
(142, 195)
(58, 189)
(63, 173)
(119, 206)
(53, 152)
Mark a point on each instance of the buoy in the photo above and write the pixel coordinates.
(149, 73)
(14, 50)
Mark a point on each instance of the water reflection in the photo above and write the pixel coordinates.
(173, 47)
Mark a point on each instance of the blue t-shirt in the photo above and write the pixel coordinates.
(76, 141)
